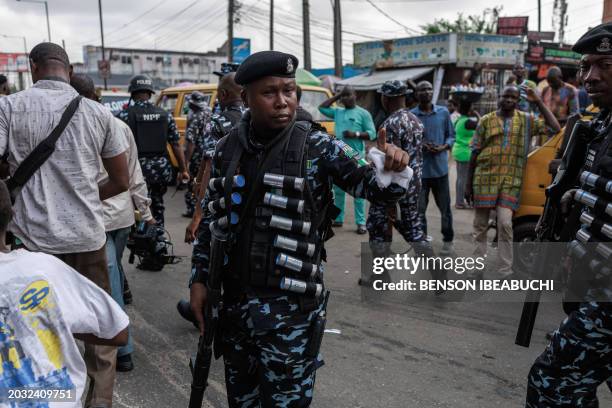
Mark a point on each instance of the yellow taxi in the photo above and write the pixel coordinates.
(174, 101)
(536, 177)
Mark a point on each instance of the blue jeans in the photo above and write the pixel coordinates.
(441, 192)
(115, 244)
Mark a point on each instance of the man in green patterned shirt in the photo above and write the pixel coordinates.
(499, 153)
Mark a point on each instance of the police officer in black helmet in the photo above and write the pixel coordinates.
(153, 128)
(273, 293)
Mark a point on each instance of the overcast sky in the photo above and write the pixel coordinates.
(201, 25)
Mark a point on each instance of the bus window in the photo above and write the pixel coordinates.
(310, 102)
(185, 108)
(168, 102)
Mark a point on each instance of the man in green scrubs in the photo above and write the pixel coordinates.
(353, 125)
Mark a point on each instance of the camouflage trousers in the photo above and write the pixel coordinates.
(199, 257)
(190, 198)
(264, 350)
(577, 360)
(382, 219)
(156, 194)
(157, 173)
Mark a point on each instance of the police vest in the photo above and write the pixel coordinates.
(226, 121)
(150, 128)
(275, 242)
(591, 246)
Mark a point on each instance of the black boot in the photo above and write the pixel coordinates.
(184, 309)
(127, 293)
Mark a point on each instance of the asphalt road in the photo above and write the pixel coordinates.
(393, 350)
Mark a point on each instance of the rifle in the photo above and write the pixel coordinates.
(200, 366)
(552, 221)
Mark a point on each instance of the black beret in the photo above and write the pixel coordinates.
(598, 40)
(266, 63)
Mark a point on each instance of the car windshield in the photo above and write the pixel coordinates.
(168, 102)
(310, 102)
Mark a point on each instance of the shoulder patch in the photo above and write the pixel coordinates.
(349, 152)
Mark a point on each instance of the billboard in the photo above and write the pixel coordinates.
(241, 49)
(489, 48)
(424, 50)
(561, 56)
(512, 25)
(13, 62)
(535, 36)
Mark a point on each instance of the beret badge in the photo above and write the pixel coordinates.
(605, 46)
(289, 65)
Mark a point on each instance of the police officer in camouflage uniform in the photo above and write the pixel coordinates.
(579, 356)
(153, 128)
(197, 120)
(404, 130)
(226, 68)
(272, 294)
(232, 108)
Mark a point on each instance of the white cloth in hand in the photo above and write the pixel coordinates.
(384, 177)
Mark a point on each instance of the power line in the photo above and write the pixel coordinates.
(130, 22)
(384, 13)
(152, 29)
(194, 27)
(283, 35)
(298, 31)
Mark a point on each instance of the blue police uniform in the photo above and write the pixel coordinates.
(156, 167)
(197, 122)
(578, 358)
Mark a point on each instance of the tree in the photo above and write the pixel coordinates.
(484, 24)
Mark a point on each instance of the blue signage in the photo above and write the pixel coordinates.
(241, 49)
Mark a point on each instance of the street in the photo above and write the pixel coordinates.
(391, 352)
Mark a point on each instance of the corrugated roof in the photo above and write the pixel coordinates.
(372, 81)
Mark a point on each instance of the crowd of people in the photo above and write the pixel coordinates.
(261, 172)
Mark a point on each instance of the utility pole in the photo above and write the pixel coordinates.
(539, 16)
(560, 18)
(230, 31)
(102, 37)
(48, 26)
(337, 39)
(306, 23)
(46, 13)
(271, 24)
(607, 11)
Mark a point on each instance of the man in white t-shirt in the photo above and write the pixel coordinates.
(43, 303)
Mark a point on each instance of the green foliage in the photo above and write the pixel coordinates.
(484, 24)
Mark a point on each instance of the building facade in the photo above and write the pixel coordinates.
(167, 68)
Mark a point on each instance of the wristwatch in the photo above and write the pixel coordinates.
(357, 135)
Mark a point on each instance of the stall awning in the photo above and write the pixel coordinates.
(373, 81)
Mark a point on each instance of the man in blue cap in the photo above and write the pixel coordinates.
(578, 358)
(273, 295)
(403, 129)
